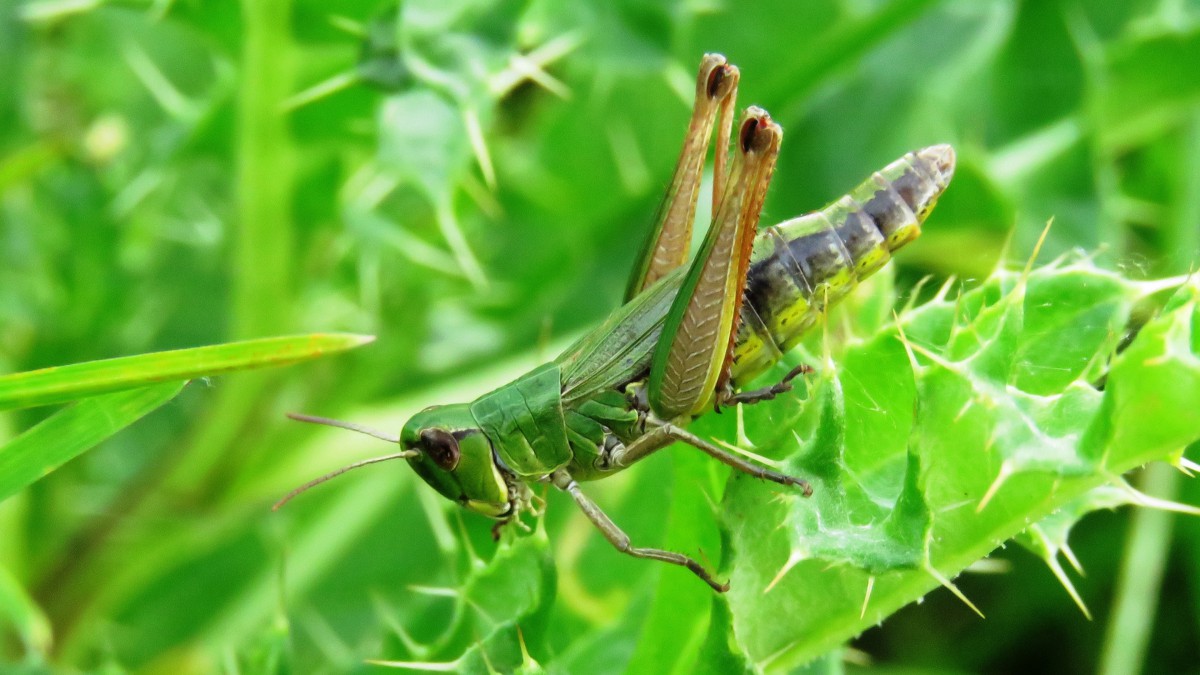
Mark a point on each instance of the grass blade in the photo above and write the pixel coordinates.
(66, 434)
(81, 380)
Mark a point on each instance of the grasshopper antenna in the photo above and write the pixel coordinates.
(381, 435)
(406, 454)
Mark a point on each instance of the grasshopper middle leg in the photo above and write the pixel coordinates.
(662, 434)
(766, 393)
(620, 540)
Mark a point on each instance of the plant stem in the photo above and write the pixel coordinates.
(1142, 564)
(263, 243)
(263, 236)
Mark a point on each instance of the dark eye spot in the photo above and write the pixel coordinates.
(715, 79)
(442, 447)
(748, 131)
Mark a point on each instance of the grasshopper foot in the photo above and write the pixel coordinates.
(768, 393)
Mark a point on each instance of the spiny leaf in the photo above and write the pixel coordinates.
(924, 461)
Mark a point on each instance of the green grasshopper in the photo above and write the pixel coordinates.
(687, 337)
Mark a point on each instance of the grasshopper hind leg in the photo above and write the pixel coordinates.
(693, 357)
(669, 241)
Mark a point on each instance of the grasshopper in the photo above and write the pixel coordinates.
(686, 339)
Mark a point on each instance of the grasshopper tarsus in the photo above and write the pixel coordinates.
(805, 487)
(768, 393)
(697, 569)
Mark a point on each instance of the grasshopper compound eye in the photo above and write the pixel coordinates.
(442, 447)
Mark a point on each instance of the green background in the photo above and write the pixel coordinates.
(167, 180)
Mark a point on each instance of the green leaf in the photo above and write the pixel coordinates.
(69, 432)
(929, 448)
(80, 380)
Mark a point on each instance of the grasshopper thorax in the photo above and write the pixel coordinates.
(456, 458)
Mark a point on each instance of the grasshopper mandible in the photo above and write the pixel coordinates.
(687, 336)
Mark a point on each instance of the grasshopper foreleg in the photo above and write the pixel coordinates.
(620, 540)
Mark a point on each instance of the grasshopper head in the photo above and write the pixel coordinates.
(446, 448)
(455, 458)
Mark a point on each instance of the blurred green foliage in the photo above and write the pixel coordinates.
(469, 181)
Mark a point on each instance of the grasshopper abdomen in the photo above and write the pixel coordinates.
(803, 266)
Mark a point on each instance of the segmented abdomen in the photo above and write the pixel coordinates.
(804, 265)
